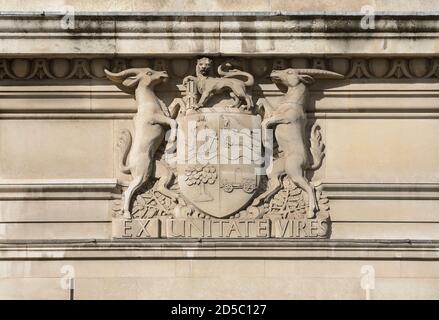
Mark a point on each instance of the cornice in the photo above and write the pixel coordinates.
(218, 26)
(207, 249)
(249, 34)
(201, 13)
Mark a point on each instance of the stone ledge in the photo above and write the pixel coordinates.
(412, 191)
(111, 188)
(201, 13)
(167, 35)
(52, 189)
(208, 249)
(212, 6)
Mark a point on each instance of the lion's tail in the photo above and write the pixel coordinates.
(235, 72)
(124, 144)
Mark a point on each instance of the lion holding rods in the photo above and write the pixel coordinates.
(208, 86)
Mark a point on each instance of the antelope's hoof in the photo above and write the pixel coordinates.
(255, 212)
(311, 214)
(174, 199)
(127, 214)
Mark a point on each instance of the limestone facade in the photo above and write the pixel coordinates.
(350, 209)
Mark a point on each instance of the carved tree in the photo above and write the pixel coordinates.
(201, 175)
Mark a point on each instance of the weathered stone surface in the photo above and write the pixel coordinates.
(205, 6)
(217, 229)
(136, 228)
(90, 183)
(283, 228)
(220, 229)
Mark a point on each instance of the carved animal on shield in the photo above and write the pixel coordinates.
(208, 86)
(288, 120)
(150, 123)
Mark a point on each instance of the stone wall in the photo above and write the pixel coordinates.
(61, 119)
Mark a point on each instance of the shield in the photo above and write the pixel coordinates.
(218, 157)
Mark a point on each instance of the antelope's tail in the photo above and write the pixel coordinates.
(124, 144)
(317, 148)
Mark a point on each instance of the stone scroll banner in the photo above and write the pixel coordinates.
(220, 229)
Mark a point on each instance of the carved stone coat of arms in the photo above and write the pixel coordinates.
(214, 164)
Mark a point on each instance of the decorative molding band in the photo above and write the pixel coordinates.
(355, 114)
(208, 249)
(108, 189)
(274, 22)
(391, 191)
(22, 189)
(200, 13)
(383, 68)
(349, 99)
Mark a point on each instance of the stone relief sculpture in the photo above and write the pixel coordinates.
(208, 85)
(289, 120)
(218, 190)
(150, 124)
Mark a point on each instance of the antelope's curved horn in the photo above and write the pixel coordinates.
(120, 76)
(318, 73)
